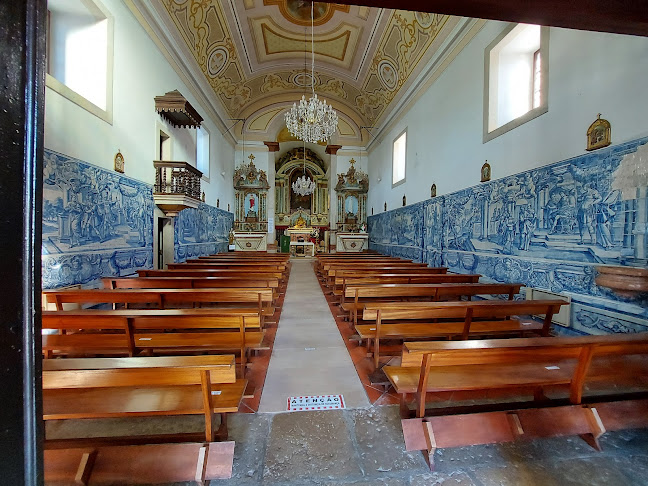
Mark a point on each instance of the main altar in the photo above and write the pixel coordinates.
(250, 212)
(302, 218)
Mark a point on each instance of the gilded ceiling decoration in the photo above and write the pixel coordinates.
(252, 55)
(299, 11)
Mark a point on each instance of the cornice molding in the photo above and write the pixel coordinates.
(462, 34)
(163, 33)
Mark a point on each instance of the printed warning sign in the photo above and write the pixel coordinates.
(317, 402)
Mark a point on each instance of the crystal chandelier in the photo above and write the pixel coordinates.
(313, 120)
(303, 186)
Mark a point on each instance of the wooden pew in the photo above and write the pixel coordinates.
(342, 279)
(251, 266)
(414, 268)
(261, 299)
(581, 367)
(225, 273)
(144, 386)
(521, 365)
(464, 319)
(133, 332)
(363, 294)
(188, 282)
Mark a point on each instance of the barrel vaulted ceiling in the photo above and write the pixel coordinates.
(255, 55)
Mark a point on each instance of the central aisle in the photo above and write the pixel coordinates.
(309, 356)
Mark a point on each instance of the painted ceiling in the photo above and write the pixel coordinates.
(256, 56)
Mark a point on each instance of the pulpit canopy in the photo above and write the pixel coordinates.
(177, 110)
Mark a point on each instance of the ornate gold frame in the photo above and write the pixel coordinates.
(599, 134)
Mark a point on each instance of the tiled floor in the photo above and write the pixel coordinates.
(309, 357)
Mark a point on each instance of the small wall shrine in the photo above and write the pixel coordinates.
(251, 190)
(351, 192)
(292, 208)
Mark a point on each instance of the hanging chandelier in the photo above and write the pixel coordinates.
(303, 185)
(313, 120)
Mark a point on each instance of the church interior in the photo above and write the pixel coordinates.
(433, 269)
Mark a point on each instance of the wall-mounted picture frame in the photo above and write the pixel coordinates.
(119, 162)
(433, 190)
(599, 134)
(485, 172)
(404, 200)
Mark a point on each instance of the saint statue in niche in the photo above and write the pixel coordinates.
(486, 172)
(250, 206)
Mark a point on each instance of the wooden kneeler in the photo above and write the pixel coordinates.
(431, 433)
(141, 464)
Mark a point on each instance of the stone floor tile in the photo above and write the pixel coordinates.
(520, 474)
(594, 471)
(380, 442)
(309, 446)
(441, 479)
(250, 432)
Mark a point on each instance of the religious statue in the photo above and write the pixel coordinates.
(300, 223)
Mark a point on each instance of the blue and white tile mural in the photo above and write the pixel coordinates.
(201, 231)
(547, 228)
(95, 222)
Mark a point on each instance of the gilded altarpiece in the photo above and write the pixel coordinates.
(251, 191)
(351, 190)
(313, 208)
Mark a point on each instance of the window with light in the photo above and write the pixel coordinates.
(516, 78)
(399, 158)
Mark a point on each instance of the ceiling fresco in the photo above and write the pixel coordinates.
(256, 56)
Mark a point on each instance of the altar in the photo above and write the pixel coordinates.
(250, 241)
(352, 242)
(299, 234)
(301, 247)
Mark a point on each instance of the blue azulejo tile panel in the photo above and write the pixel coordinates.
(547, 228)
(201, 231)
(591, 320)
(96, 222)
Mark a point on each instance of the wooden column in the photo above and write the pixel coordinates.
(22, 68)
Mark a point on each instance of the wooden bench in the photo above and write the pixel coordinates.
(414, 268)
(261, 299)
(131, 333)
(521, 366)
(423, 320)
(226, 273)
(342, 279)
(91, 388)
(252, 266)
(188, 282)
(363, 294)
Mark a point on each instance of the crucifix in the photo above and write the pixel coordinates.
(251, 157)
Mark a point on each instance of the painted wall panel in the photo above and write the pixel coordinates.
(548, 228)
(95, 222)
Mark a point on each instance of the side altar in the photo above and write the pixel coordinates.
(351, 190)
(251, 211)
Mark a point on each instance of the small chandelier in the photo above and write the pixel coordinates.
(313, 120)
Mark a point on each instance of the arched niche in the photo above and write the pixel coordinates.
(290, 166)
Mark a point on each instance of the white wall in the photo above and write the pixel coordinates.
(589, 73)
(140, 73)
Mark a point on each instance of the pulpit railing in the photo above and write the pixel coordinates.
(177, 178)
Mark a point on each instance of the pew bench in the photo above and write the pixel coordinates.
(92, 388)
(342, 279)
(133, 333)
(574, 367)
(259, 298)
(361, 295)
(411, 268)
(445, 320)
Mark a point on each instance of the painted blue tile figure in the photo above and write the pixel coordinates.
(95, 222)
(547, 227)
(201, 231)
